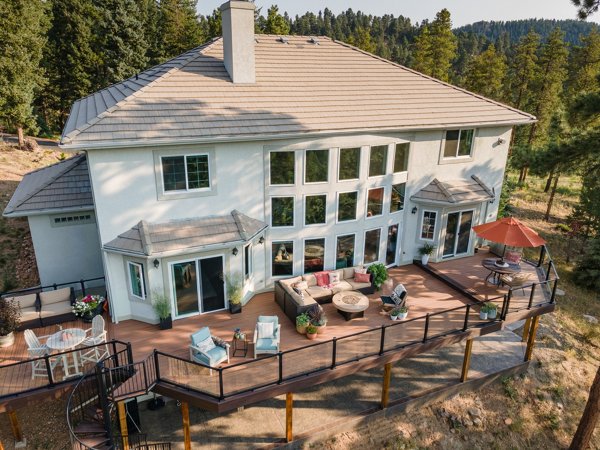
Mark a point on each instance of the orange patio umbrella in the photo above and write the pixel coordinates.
(509, 231)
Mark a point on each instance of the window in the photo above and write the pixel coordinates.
(347, 206)
(77, 219)
(282, 211)
(401, 157)
(317, 166)
(372, 245)
(428, 225)
(377, 161)
(282, 258)
(282, 167)
(345, 251)
(247, 261)
(185, 173)
(315, 209)
(458, 143)
(392, 245)
(349, 164)
(397, 201)
(137, 285)
(375, 202)
(314, 255)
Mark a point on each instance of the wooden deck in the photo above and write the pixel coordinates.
(426, 294)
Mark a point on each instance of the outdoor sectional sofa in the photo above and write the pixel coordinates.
(46, 307)
(294, 304)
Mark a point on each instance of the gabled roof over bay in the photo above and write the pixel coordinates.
(181, 236)
(303, 86)
(64, 186)
(454, 192)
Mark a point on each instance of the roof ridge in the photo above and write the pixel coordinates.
(145, 237)
(194, 52)
(240, 226)
(74, 162)
(482, 184)
(518, 111)
(444, 190)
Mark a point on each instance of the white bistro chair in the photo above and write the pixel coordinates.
(95, 336)
(35, 349)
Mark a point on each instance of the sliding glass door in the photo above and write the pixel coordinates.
(458, 233)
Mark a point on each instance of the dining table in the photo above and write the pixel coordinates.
(497, 268)
(63, 341)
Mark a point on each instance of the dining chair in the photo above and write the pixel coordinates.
(35, 349)
(95, 336)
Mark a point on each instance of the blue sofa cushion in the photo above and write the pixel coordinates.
(200, 336)
(216, 355)
(266, 344)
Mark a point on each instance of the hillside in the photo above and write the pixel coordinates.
(517, 28)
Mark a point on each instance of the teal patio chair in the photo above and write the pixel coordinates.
(212, 357)
(267, 344)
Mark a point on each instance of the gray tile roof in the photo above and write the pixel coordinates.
(301, 88)
(187, 234)
(60, 187)
(455, 192)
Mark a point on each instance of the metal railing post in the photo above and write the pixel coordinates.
(55, 286)
(426, 328)
(102, 396)
(334, 352)
(542, 255)
(531, 296)
(49, 370)
(466, 324)
(553, 296)
(221, 389)
(129, 354)
(114, 348)
(82, 287)
(508, 297)
(280, 364)
(156, 366)
(382, 341)
(548, 271)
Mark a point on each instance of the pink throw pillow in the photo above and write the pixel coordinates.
(322, 278)
(362, 277)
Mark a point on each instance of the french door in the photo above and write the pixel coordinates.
(198, 286)
(458, 233)
(391, 250)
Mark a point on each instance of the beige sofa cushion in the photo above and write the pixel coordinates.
(356, 286)
(289, 281)
(341, 286)
(60, 295)
(29, 314)
(310, 279)
(318, 292)
(348, 272)
(55, 309)
(25, 301)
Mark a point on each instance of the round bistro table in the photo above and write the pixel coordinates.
(67, 340)
(351, 304)
(497, 270)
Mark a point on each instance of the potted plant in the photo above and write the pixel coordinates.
(483, 312)
(302, 321)
(10, 319)
(492, 310)
(311, 332)
(317, 318)
(403, 312)
(394, 313)
(426, 250)
(88, 307)
(380, 274)
(235, 291)
(162, 308)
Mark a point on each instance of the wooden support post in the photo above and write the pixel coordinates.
(526, 329)
(385, 391)
(1, 446)
(466, 361)
(289, 409)
(187, 438)
(123, 424)
(531, 339)
(15, 426)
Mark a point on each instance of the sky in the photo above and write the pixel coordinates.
(463, 11)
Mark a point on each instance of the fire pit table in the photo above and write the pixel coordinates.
(351, 304)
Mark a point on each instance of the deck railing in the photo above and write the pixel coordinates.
(78, 285)
(248, 376)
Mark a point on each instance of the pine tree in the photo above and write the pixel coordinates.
(68, 59)
(422, 55)
(150, 15)
(584, 65)
(443, 45)
(275, 23)
(521, 70)
(23, 25)
(179, 27)
(361, 38)
(486, 73)
(119, 41)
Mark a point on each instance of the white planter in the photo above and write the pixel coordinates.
(8, 340)
(402, 316)
(492, 314)
(394, 317)
(424, 259)
(483, 315)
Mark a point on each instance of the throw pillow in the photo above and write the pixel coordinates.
(302, 285)
(334, 278)
(265, 330)
(298, 290)
(206, 345)
(322, 278)
(360, 270)
(362, 277)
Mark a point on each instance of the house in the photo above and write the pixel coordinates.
(264, 157)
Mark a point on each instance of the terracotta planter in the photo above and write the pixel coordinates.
(7, 340)
(321, 329)
(301, 329)
(311, 336)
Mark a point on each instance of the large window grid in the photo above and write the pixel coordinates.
(428, 225)
(282, 167)
(397, 197)
(316, 166)
(314, 255)
(282, 211)
(401, 157)
(378, 160)
(282, 258)
(349, 164)
(315, 209)
(375, 202)
(345, 250)
(371, 248)
(346, 207)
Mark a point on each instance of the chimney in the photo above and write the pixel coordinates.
(238, 40)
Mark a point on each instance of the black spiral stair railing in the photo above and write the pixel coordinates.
(91, 408)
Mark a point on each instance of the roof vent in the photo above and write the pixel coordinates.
(282, 39)
(314, 40)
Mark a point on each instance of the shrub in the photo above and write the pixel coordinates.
(426, 249)
(311, 329)
(302, 320)
(380, 274)
(10, 316)
(235, 289)
(587, 270)
(161, 305)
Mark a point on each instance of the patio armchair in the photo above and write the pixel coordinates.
(267, 334)
(516, 281)
(35, 349)
(396, 299)
(208, 349)
(94, 336)
(513, 257)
